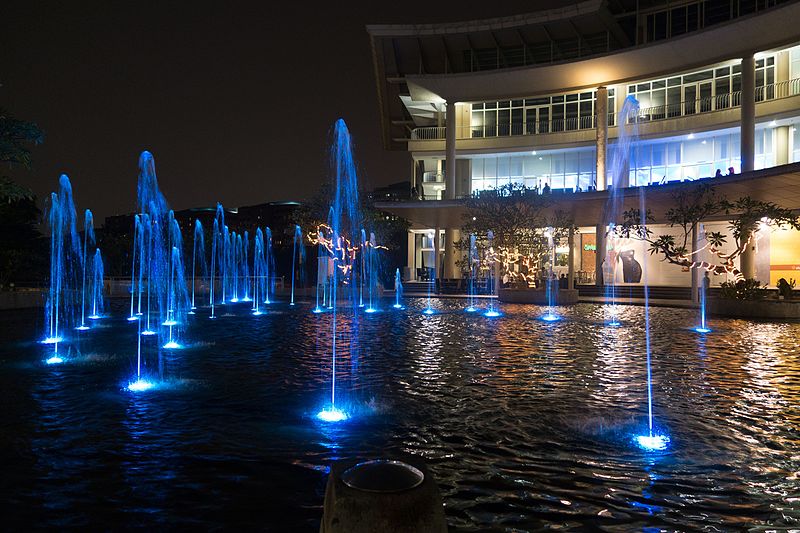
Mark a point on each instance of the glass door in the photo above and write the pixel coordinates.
(537, 120)
(690, 99)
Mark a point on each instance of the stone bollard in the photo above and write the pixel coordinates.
(398, 496)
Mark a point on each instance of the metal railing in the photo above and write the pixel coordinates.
(773, 91)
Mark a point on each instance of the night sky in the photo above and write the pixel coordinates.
(235, 100)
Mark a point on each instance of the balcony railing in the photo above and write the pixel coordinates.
(773, 91)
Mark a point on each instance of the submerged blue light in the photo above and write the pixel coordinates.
(316, 310)
(491, 313)
(94, 317)
(614, 323)
(172, 345)
(148, 332)
(140, 385)
(471, 309)
(652, 442)
(55, 360)
(332, 414)
(370, 310)
(550, 317)
(397, 306)
(51, 340)
(82, 328)
(702, 330)
(133, 318)
(428, 311)
(169, 322)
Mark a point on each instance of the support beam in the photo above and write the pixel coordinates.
(600, 253)
(436, 259)
(571, 259)
(411, 258)
(450, 152)
(747, 261)
(748, 113)
(782, 145)
(601, 138)
(693, 271)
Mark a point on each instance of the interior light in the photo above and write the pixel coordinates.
(690, 136)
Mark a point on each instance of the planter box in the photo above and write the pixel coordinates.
(538, 296)
(754, 308)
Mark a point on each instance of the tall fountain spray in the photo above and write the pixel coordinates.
(398, 289)
(491, 260)
(344, 223)
(550, 315)
(96, 286)
(652, 440)
(65, 268)
(371, 253)
(198, 254)
(298, 239)
(618, 179)
(431, 283)
(322, 273)
(214, 261)
(246, 267)
(269, 264)
(258, 271)
(474, 262)
(160, 249)
(702, 289)
(88, 242)
(135, 254)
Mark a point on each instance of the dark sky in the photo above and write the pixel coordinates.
(235, 100)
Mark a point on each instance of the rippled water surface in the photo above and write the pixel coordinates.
(525, 425)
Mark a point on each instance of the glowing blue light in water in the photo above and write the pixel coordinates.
(491, 313)
(549, 317)
(398, 289)
(614, 323)
(471, 309)
(132, 318)
(51, 340)
(234, 300)
(370, 310)
(428, 311)
(172, 345)
(148, 332)
(397, 306)
(258, 313)
(316, 310)
(332, 414)
(55, 360)
(82, 328)
(169, 322)
(140, 385)
(652, 442)
(702, 330)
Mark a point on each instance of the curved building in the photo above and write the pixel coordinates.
(534, 99)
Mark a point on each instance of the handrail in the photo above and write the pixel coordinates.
(772, 91)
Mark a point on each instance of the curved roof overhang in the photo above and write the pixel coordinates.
(775, 28)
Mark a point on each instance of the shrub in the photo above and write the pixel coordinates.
(744, 289)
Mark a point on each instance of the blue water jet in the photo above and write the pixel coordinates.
(398, 289)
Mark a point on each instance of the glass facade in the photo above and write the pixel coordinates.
(679, 158)
(529, 116)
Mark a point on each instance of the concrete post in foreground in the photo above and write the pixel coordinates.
(748, 113)
(601, 121)
(382, 504)
(450, 152)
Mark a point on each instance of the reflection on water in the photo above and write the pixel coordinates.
(525, 424)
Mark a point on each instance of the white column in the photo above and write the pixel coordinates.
(747, 261)
(571, 259)
(436, 255)
(412, 256)
(601, 140)
(748, 113)
(450, 152)
(693, 271)
(600, 253)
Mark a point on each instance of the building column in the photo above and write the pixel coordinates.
(450, 152)
(747, 261)
(599, 253)
(782, 145)
(411, 258)
(748, 113)
(436, 256)
(601, 128)
(571, 259)
(693, 271)
(451, 255)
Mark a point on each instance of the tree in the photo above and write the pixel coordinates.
(693, 206)
(520, 220)
(15, 138)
